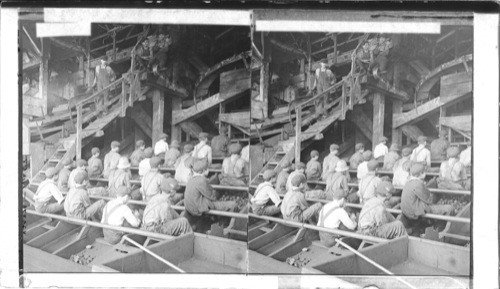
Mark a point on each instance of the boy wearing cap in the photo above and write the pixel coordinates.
(172, 154)
(421, 154)
(80, 167)
(184, 165)
(330, 162)
(439, 146)
(339, 180)
(220, 143)
(452, 173)
(78, 203)
(391, 158)
(363, 167)
(161, 146)
(283, 177)
(46, 191)
(300, 169)
(381, 149)
(111, 159)
(374, 220)
(151, 182)
(357, 157)
(294, 206)
(202, 150)
(119, 177)
(368, 183)
(117, 213)
(233, 168)
(334, 216)
(416, 199)
(159, 216)
(144, 165)
(138, 155)
(199, 196)
(169, 186)
(465, 155)
(64, 173)
(266, 200)
(95, 164)
(313, 167)
(401, 169)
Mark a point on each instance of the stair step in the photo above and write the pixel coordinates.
(54, 160)
(273, 163)
(281, 153)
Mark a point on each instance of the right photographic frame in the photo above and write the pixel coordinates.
(361, 136)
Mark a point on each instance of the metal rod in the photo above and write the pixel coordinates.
(322, 229)
(153, 254)
(373, 263)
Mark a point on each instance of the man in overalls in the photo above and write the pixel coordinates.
(324, 79)
(104, 75)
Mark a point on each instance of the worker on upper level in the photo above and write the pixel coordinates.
(117, 213)
(144, 165)
(334, 216)
(421, 154)
(48, 191)
(266, 201)
(381, 149)
(401, 169)
(364, 56)
(391, 157)
(138, 154)
(104, 76)
(362, 169)
(184, 165)
(294, 206)
(375, 220)
(95, 167)
(64, 173)
(199, 196)
(119, 177)
(300, 169)
(202, 150)
(282, 178)
(452, 173)
(161, 146)
(151, 182)
(233, 168)
(381, 55)
(324, 78)
(220, 143)
(81, 166)
(357, 157)
(439, 146)
(172, 154)
(78, 204)
(111, 159)
(330, 162)
(313, 167)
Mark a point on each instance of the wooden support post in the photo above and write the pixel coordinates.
(442, 113)
(264, 86)
(158, 114)
(44, 75)
(176, 130)
(397, 107)
(298, 134)
(113, 35)
(123, 99)
(309, 64)
(378, 118)
(221, 111)
(79, 132)
(335, 49)
(87, 70)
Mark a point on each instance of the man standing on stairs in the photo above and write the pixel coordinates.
(95, 164)
(330, 162)
(151, 182)
(119, 177)
(233, 168)
(220, 143)
(64, 173)
(78, 203)
(81, 166)
(421, 154)
(138, 155)
(439, 146)
(161, 146)
(172, 154)
(381, 149)
(111, 159)
(46, 192)
(357, 157)
(323, 80)
(202, 150)
(104, 75)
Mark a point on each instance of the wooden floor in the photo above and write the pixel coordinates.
(36, 260)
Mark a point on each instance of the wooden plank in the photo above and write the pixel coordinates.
(362, 121)
(158, 114)
(411, 131)
(383, 87)
(49, 236)
(277, 232)
(36, 260)
(191, 128)
(457, 83)
(222, 251)
(378, 118)
(142, 119)
(426, 108)
(234, 82)
(179, 116)
(236, 118)
(462, 122)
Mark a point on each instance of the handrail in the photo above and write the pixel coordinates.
(318, 228)
(178, 208)
(88, 99)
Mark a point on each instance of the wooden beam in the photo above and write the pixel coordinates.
(191, 128)
(362, 122)
(79, 118)
(397, 106)
(142, 119)
(176, 111)
(378, 118)
(158, 114)
(236, 118)
(70, 46)
(412, 132)
(462, 122)
(377, 85)
(264, 88)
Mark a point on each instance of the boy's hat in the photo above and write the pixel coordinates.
(115, 144)
(169, 184)
(298, 179)
(372, 165)
(95, 150)
(148, 152)
(367, 155)
(154, 162)
(188, 148)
